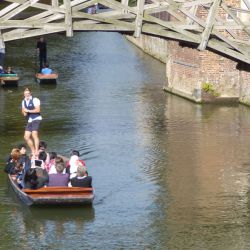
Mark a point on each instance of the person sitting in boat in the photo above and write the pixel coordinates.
(43, 148)
(38, 165)
(57, 160)
(48, 166)
(46, 70)
(12, 160)
(59, 179)
(19, 169)
(24, 159)
(72, 164)
(40, 162)
(9, 71)
(81, 179)
(30, 179)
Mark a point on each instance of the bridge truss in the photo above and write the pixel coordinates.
(221, 25)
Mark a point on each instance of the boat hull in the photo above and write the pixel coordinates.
(53, 195)
(9, 80)
(46, 79)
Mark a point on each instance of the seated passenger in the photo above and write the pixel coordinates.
(40, 162)
(72, 164)
(38, 165)
(9, 71)
(12, 160)
(43, 148)
(19, 169)
(24, 159)
(30, 179)
(46, 70)
(57, 160)
(48, 166)
(82, 179)
(59, 179)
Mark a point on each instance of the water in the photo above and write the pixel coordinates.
(168, 174)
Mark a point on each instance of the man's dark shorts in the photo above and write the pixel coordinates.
(33, 126)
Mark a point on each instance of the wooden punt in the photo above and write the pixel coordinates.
(9, 80)
(46, 78)
(53, 195)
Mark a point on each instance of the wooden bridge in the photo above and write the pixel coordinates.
(221, 25)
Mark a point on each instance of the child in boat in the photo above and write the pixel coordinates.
(46, 70)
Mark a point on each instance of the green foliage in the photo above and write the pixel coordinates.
(209, 88)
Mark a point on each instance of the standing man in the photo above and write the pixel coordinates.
(41, 48)
(31, 110)
(2, 50)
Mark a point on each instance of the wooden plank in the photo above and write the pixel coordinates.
(210, 22)
(105, 20)
(17, 10)
(8, 9)
(82, 26)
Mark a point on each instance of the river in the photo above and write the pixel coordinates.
(168, 173)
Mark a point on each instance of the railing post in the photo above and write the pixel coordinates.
(68, 18)
(139, 17)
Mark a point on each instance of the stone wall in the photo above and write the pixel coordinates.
(188, 68)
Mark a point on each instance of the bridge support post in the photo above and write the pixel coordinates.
(55, 3)
(125, 2)
(139, 17)
(2, 50)
(68, 18)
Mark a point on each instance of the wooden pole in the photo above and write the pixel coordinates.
(68, 18)
(210, 23)
(139, 17)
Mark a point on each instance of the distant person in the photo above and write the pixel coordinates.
(82, 179)
(2, 51)
(59, 179)
(1, 70)
(31, 110)
(46, 70)
(9, 71)
(41, 48)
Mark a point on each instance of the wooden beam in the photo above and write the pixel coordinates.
(139, 17)
(68, 18)
(210, 23)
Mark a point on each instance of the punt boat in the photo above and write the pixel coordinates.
(9, 80)
(53, 195)
(46, 78)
